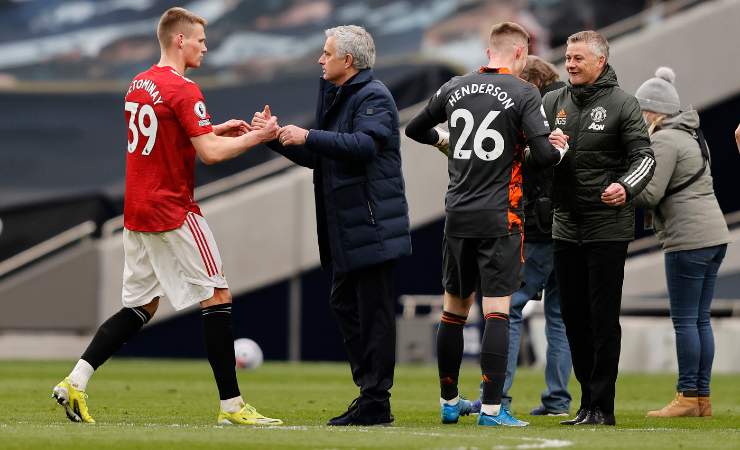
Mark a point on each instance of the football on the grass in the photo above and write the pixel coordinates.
(248, 354)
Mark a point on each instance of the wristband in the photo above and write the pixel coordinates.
(562, 152)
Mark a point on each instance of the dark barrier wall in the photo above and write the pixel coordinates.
(718, 124)
(262, 315)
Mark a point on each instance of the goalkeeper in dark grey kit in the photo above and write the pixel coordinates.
(492, 116)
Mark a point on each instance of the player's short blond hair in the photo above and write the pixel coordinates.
(505, 33)
(174, 21)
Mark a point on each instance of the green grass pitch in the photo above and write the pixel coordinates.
(165, 404)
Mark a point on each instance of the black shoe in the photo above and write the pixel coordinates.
(597, 417)
(364, 414)
(357, 418)
(371, 420)
(342, 417)
(580, 415)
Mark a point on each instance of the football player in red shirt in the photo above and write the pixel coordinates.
(169, 249)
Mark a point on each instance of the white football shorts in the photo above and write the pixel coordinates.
(183, 265)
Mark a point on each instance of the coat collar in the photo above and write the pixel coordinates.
(332, 94)
(360, 78)
(486, 69)
(583, 93)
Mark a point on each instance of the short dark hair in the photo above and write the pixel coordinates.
(508, 30)
(539, 72)
(172, 20)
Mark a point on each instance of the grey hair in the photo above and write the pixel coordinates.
(356, 41)
(596, 41)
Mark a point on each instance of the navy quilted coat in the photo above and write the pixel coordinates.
(361, 210)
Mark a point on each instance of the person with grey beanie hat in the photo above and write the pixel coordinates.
(658, 94)
(692, 231)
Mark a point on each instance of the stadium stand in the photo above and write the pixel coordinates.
(271, 256)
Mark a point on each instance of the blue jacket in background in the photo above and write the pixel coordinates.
(361, 211)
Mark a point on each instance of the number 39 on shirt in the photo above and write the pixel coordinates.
(481, 134)
(142, 121)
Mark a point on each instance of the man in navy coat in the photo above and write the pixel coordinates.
(361, 210)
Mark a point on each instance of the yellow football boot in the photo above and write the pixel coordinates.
(73, 400)
(246, 416)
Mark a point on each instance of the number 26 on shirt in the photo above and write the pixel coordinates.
(144, 123)
(481, 134)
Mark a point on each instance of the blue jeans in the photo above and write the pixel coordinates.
(691, 275)
(539, 274)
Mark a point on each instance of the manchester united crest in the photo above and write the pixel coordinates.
(598, 114)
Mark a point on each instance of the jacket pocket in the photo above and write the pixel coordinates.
(356, 217)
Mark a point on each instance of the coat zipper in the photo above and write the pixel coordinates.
(578, 130)
(370, 210)
(369, 207)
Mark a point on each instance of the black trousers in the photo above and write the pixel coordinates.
(364, 305)
(590, 276)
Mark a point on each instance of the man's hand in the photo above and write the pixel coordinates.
(737, 137)
(261, 118)
(232, 128)
(559, 140)
(292, 135)
(443, 143)
(268, 131)
(614, 195)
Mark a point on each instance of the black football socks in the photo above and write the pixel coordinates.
(493, 357)
(113, 333)
(219, 337)
(450, 345)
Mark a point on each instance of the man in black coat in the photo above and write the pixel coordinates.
(361, 210)
(610, 162)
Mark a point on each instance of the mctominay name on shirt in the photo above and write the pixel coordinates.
(149, 86)
(481, 88)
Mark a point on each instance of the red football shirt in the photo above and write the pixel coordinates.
(163, 111)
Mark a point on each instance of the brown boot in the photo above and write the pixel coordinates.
(680, 407)
(705, 406)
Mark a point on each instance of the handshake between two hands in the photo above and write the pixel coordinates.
(557, 138)
(287, 135)
(265, 126)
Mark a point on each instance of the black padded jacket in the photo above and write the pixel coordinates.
(608, 143)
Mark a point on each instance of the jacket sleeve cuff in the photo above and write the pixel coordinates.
(627, 191)
(312, 138)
